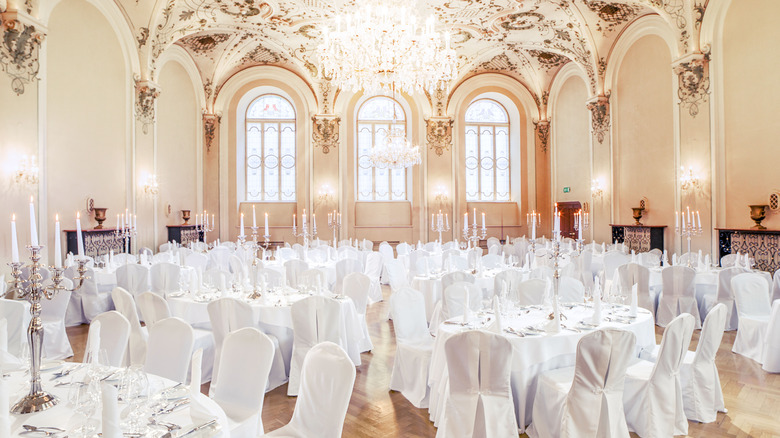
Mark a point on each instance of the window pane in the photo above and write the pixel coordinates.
(271, 162)
(270, 150)
(486, 111)
(381, 108)
(271, 107)
(373, 129)
(487, 152)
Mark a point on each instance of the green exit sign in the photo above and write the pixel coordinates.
(566, 189)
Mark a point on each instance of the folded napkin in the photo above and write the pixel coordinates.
(747, 261)
(633, 256)
(466, 313)
(93, 343)
(674, 259)
(110, 425)
(7, 360)
(5, 408)
(665, 259)
(202, 408)
(632, 311)
(596, 304)
(707, 261)
(699, 260)
(496, 327)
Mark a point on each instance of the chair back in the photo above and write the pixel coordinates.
(386, 251)
(633, 275)
(458, 296)
(649, 259)
(408, 308)
(751, 295)
(373, 266)
(454, 277)
(316, 319)
(776, 286)
(169, 349)
(529, 292)
(679, 281)
(196, 260)
(344, 267)
(491, 261)
(728, 260)
(114, 336)
(153, 308)
(219, 258)
(403, 248)
(17, 314)
(284, 254)
(396, 274)
(165, 278)
(162, 257)
(771, 354)
(674, 345)
(55, 308)
(245, 363)
(293, 268)
(571, 290)
(273, 278)
(312, 279)
(356, 287)
(133, 278)
(595, 397)
(327, 379)
(125, 304)
(217, 279)
(711, 334)
(612, 260)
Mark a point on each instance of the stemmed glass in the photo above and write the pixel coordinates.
(85, 397)
(134, 390)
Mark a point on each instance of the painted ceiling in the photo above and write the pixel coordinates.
(527, 39)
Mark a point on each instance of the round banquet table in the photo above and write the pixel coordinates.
(534, 353)
(63, 416)
(273, 315)
(105, 278)
(328, 269)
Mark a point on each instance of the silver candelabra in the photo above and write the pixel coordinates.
(334, 223)
(440, 223)
(686, 227)
(581, 223)
(126, 233)
(306, 232)
(38, 400)
(475, 236)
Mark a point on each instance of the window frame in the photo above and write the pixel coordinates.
(480, 126)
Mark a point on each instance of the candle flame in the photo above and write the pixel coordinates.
(57, 217)
(13, 217)
(78, 215)
(31, 199)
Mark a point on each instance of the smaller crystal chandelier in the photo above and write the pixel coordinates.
(396, 153)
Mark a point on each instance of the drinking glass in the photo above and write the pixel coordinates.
(84, 396)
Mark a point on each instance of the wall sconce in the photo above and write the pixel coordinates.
(441, 195)
(689, 180)
(151, 187)
(325, 194)
(27, 173)
(595, 189)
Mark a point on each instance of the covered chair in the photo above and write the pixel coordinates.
(343, 268)
(586, 401)
(652, 395)
(293, 268)
(414, 346)
(571, 290)
(776, 286)
(133, 278)
(169, 349)
(478, 397)
(327, 379)
(724, 295)
(136, 348)
(751, 293)
(356, 286)
(396, 274)
(456, 298)
(17, 315)
(529, 292)
(633, 275)
(114, 335)
(770, 359)
(247, 355)
(702, 394)
(454, 277)
(373, 270)
(165, 278)
(678, 296)
(56, 344)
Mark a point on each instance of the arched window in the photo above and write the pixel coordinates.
(487, 151)
(376, 117)
(270, 149)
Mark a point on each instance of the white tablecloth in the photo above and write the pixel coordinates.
(105, 278)
(63, 416)
(532, 354)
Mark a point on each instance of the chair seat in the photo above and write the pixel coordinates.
(559, 380)
(639, 370)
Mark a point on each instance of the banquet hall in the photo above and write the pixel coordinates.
(401, 218)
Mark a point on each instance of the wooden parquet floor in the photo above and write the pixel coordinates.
(752, 395)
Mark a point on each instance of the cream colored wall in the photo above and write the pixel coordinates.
(644, 140)
(177, 119)
(570, 137)
(87, 114)
(751, 61)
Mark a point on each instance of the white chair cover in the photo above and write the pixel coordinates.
(586, 400)
(456, 298)
(702, 394)
(55, 342)
(196, 260)
(133, 278)
(396, 274)
(17, 314)
(633, 275)
(728, 260)
(169, 349)
(165, 278)
(771, 354)
(571, 290)
(678, 296)
(344, 267)
(284, 254)
(403, 248)
(86, 302)
(247, 356)
(373, 269)
(776, 286)
(751, 293)
(529, 292)
(455, 277)
(219, 258)
(724, 295)
(293, 268)
(652, 396)
(356, 286)
(613, 259)
(228, 315)
(478, 395)
(114, 335)
(327, 379)
(136, 353)
(153, 308)
(649, 259)
(315, 319)
(491, 261)
(414, 346)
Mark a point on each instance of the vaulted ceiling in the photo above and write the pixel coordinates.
(527, 39)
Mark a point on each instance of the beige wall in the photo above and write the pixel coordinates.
(571, 146)
(751, 61)
(177, 118)
(644, 135)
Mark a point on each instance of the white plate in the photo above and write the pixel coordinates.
(586, 326)
(49, 365)
(177, 393)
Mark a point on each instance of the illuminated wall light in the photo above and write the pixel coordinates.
(27, 172)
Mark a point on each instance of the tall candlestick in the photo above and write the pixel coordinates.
(314, 220)
(241, 232)
(33, 225)
(446, 220)
(293, 219)
(475, 217)
(117, 220)
(483, 220)
(254, 217)
(698, 218)
(266, 224)
(676, 219)
(135, 221)
(79, 240)
(14, 242)
(57, 243)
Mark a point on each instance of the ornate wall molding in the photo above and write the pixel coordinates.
(19, 49)
(146, 93)
(693, 82)
(438, 133)
(599, 110)
(210, 124)
(326, 131)
(542, 129)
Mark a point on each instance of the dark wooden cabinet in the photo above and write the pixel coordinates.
(640, 238)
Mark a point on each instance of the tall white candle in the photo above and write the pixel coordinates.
(465, 221)
(314, 220)
(676, 220)
(475, 217)
(14, 242)
(293, 219)
(135, 221)
(57, 243)
(33, 226)
(266, 224)
(446, 220)
(241, 232)
(579, 228)
(682, 216)
(698, 218)
(483, 220)
(117, 221)
(79, 240)
(533, 225)
(254, 217)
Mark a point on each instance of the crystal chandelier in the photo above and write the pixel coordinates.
(396, 153)
(381, 46)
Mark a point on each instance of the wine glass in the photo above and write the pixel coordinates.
(97, 363)
(84, 396)
(134, 390)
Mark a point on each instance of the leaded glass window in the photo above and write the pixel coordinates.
(270, 149)
(487, 151)
(376, 117)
